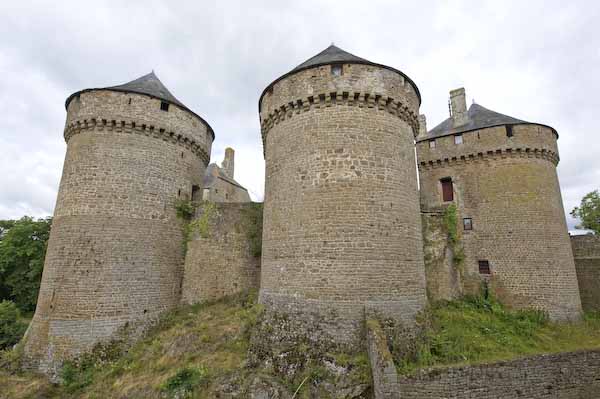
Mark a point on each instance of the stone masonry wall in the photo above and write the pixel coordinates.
(115, 255)
(586, 250)
(342, 228)
(225, 191)
(509, 187)
(571, 375)
(222, 261)
(443, 276)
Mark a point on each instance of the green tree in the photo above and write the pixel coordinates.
(22, 250)
(11, 328)
(588, 212)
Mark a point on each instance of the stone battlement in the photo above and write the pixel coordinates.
(129, 126)
(361, 100)
(541, 153)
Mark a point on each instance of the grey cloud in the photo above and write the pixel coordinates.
(534, 60)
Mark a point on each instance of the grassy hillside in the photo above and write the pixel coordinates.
(202, 351)
(199, 351)
(476, 330)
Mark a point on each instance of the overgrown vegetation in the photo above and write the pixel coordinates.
(197, 351)
(479, 330)
(201, 225)
(252, 223)
(193, 352)
(186, 210)
(23, 245)
(451, 225)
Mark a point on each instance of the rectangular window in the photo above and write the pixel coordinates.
(447, 189)
(458, 139)
(431, 143)
(468, 224)
(509, 131)
(164, 106)
(336, 70)
(195, 193)
(484, 267)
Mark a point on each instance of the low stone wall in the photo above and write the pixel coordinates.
(586, 250)
(222, 257)
(573, 375)
(385, 377)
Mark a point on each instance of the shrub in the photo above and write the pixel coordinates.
(184, 381)
(11, 328)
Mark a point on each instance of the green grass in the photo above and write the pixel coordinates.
(194, 350)
(191, 353)
(475, 330)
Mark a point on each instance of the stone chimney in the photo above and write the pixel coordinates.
(228, 164)
(422, 125)
(458, 107)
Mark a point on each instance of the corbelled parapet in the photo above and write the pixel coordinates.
(500, 173)
(342, 231)
(115, 255)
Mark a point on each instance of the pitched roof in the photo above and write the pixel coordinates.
(479, 118)
(335, 55)
(210, 177)
(149, 85)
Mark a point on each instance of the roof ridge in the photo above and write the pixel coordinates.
(480, 117)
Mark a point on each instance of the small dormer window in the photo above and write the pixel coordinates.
(337, 70)
(164, 106)
(431, 143)
(458, 139)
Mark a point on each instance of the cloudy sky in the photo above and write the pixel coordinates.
(534, 60)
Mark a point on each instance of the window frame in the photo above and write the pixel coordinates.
(445, 181)
(458, 139)
(337, 67)
(164, 106)
(509, 131)
(484, 267)
(432, 143)
(467, 222)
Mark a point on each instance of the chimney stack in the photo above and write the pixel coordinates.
(422, 125)
(228, 163)
(458, 107)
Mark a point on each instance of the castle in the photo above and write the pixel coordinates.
(351, 226)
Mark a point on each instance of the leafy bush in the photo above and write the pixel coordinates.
(11, 328)
(184, 381)
(185, 209)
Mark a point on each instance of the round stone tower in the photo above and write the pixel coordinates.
(115, 255)
(500, 172)
(342, 231)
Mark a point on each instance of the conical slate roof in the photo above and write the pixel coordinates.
(331, 55)
(335, 55)
(148, 85)
(479, 118)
